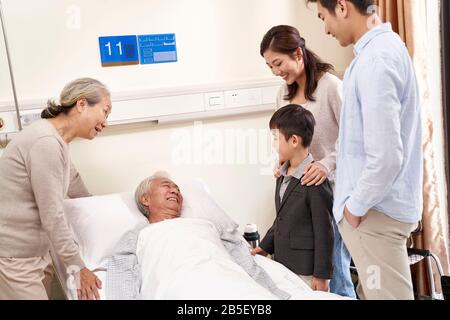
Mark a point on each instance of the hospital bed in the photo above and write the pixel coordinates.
(99, 222)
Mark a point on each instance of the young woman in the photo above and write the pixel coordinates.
(36, 174)
(309, 83)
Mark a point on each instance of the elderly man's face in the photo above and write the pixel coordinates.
(164, 196)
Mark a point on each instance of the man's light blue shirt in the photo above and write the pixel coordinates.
(379, 161)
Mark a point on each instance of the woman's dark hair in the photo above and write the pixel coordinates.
(361, 5)
(294, 120)
(286, 40)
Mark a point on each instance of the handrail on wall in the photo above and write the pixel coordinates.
(16, 103)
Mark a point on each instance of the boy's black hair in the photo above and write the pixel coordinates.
(330, 5)
(294, 120)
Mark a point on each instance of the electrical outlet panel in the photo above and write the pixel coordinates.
(243, 98)
(29, 116)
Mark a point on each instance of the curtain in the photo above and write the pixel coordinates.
(409, 20)
(399, 14)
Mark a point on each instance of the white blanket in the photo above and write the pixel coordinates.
(194, 265)
(188, 262)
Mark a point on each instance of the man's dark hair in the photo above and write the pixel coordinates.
(330, 5)
(294, 120)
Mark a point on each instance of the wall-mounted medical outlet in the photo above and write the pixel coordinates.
(214, 100)
(27, 117)
(243, 98)
(8, 122)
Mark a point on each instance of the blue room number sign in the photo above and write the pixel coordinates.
(141, 49)
(118, 50)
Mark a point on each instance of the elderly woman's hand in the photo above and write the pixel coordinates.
(315, 174)
(89, 285)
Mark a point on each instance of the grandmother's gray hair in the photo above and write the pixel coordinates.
(143, 188)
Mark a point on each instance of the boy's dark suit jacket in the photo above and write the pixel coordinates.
(301, 237)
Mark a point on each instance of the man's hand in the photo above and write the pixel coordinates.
(259, 251)
(351, 219)
(89, 283)
(315, 174)
(319, 284)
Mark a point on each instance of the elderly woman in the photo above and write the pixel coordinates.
(36, 174)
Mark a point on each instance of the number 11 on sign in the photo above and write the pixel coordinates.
(118, 50)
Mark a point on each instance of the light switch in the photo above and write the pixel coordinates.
(214, 100)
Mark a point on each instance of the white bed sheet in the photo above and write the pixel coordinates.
(188, 262)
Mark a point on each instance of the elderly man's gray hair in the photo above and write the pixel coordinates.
(143, 188)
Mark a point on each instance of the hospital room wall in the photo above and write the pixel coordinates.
(120, 159)
(217, 41)
(117, 160)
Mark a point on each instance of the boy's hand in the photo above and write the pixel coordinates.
(315, 174)
(259, 251)
(319, 284)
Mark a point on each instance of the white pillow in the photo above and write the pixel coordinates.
(99, 222)
(198, 204)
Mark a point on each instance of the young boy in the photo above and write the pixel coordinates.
(301, 237)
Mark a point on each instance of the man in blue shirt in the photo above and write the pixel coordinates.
(378, 198)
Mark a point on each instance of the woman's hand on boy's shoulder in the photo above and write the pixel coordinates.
(277, 170)
(315, 174)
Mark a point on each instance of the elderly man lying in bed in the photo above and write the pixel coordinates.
(159, 198)
(177, 257)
